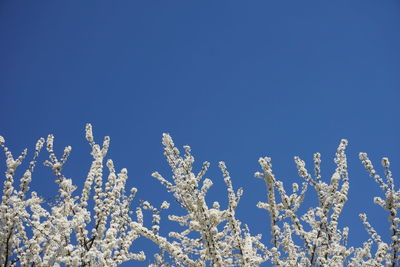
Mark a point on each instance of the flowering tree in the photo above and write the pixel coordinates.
(97, 227)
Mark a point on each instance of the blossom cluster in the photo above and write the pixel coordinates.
(98, 225)
(68, 233)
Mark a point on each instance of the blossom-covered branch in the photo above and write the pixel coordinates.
(95, 227)
(68, 233)
(220, 233)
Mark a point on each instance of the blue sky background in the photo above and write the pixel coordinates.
(236, 80)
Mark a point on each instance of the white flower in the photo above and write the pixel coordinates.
(2, 141)
(164, 205)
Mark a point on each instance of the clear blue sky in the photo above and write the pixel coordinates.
(236, 80)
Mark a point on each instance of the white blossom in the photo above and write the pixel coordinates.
(68, 233)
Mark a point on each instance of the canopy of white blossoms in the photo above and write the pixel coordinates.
(97, 226)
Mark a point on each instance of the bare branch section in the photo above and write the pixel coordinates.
(95, 227)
